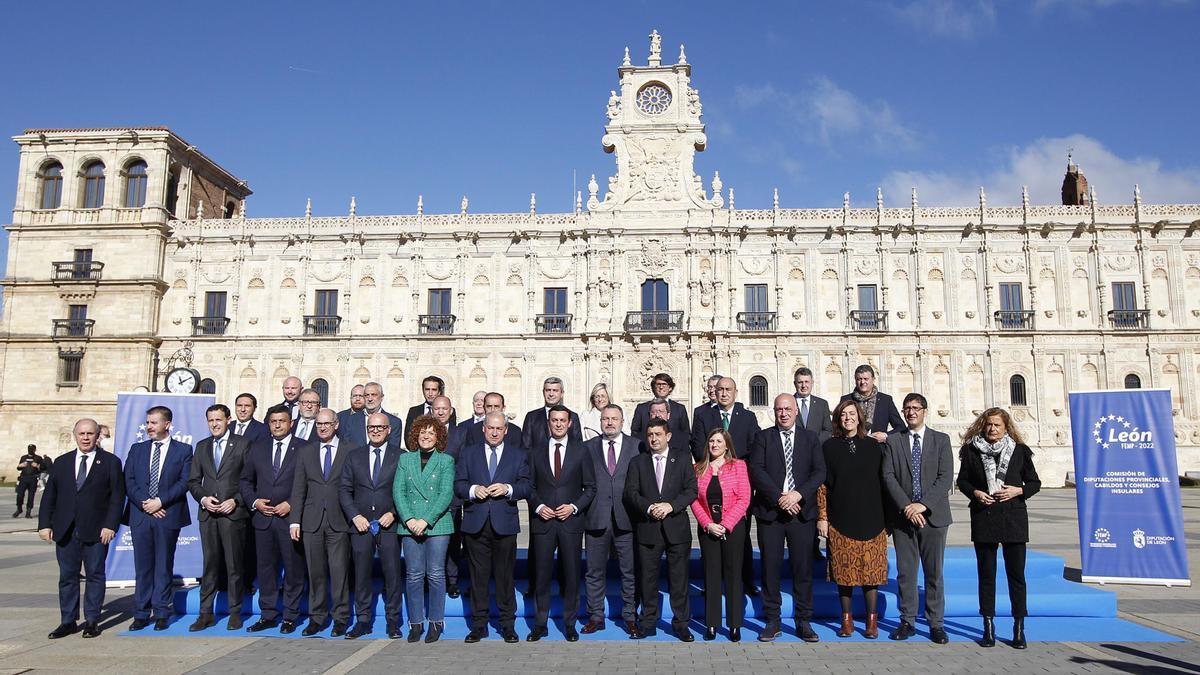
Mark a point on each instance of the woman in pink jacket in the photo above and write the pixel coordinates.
(720, 509)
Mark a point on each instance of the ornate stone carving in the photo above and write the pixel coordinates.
(1009, 264)
(754, 266)
(216, 274)
(654, 168)
(614, 105)
(327, 272)
(864, 265)
(653, 256)
(552, 270)
(1119, 262)
(694, 106)
(439, 269)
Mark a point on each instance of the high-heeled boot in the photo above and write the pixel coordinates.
(1018, 633)
(872, 626)
(847, 628)
(989, 633)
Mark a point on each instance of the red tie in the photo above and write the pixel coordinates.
(557, 460)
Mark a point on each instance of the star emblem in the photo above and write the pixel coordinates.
(1126, 425)
(1104, 445)
(1120, 419)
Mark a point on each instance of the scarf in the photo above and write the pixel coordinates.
(868, 406)
(995, 458)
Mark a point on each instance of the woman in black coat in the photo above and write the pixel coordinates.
(996, 473)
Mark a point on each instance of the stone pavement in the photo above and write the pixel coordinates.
(29, 609)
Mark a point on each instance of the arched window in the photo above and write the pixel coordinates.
(51, 176)
(1016, 390)
(320, 386)
(1132, 381)
(135, 185)
(93, 185)
(758, 391)
(230, 209)
(207, 386)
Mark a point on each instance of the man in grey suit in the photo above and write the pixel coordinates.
(607, 526)
(918, 472)
(814, 410)
(319, 521)
(213, 482)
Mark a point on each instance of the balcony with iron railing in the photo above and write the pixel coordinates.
(657, 321)
(869, 320)
(553, 323)
(435, 324)
(73, 329)
(70, 270)
(756, 322)
(1129, 319)
(1013, 319)
(209, 325)
(319, 325)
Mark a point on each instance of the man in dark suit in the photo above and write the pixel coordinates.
(493, 402)
(608, 526)
(304, 428)
(266, 485)
(442, 410)
(213, 481)
(535, 428)
(813, 410)
(886, 419)
(786, 466)
(710, 389)
(659, 490)
(292, 386)
(491, 477)
(29, 470)
(246, 426)
(318, 522)
(660, 409)
(366, 498)
(918, 473)
(373, 395)
(80, 511)
(563, 486)
(661, 385)
(431, 388)
(156, 482)
(352, 422)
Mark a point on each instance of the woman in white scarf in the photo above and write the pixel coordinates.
(996, 473)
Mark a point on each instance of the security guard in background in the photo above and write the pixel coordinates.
(29, 469)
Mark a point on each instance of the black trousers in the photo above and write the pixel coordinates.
(455, 551)
(222, 541)
(1014, 569)
(327, 556)
(723, 564)
(26, 487)
(73, 554)
(797, 536)
(568, 542)
(274, 548)
(491, 556)
(650, 556)
(362, 552)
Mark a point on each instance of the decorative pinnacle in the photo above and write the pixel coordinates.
(914, 198)
(1025, 196)
(655, 49)
(775, 199)
(308, 208)
(731, 206)
(242, 210)
(463, 205)
(982, 197)
(626, 61)
(845, 200)
(353, 206)
(200, 210)
(578, 201)
(1137, 194)
(532, 202)
(420, 204)
(879, 198)
(682, 56)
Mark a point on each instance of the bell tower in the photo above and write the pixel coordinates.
(654, 129)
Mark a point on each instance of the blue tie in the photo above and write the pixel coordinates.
(155, 460)
(327, 463)
(217, 452)
(278, 457)
(916, 467)
(376, 467)
(491, 462)
(79, 477)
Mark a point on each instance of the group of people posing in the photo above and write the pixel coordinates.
(324, 493)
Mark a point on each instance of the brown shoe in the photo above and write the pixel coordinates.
(592, 626)
(631, 627)
(872, 626)
(847, 628)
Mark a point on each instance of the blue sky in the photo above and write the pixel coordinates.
(494, 100)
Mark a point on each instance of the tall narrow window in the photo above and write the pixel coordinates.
(70, 366)
(869, 316)
(1012, 314)
(77, 325)
(1132, 381)
(172, 191)
(93, 185)
(51, 186)
(135, 185)
(439, 301)
(555, 301)
(756, 298)
(655, 296)
(758, 391)
(230, 209)
(326, 303)
(1016, 390)
(1124, 297)
(82, 267)
(214, 304)
(321, 386)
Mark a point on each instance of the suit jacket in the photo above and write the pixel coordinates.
(678, 424)
(475, 434)
(471, 468)
(679, 490)
(575, 485)
(608, 505)
(418, 410)
(536, 428)
(887, 418)
(698, 409)
(205, 479)
(734, 480)
(819, 420)
(743, 426)
(1006, 521)
(256, 431)
(425, 493)
(456, 437)
(767, 473)
(312, 430)
(172, 483)
(315, 498)
(352, 428)
(259, 480)
(361, 496)
(937, 475)
(395, 440)
(84, 512)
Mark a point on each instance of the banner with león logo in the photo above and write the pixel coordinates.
(1127, 487)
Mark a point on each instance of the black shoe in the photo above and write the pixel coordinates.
(29, 514)
(393, 630)
(138, 624)
(203, 621)
(989, 633)
(261, 625)
(235, 622)
(710, 633)
(476, 635)
(435, 632)
(362, 628)
(536, 634)
(769, 633)
(751, 590)
(510, 636)
(735, 634)
(806, 633)
(63, 630)
(287, 627)
(643, 634)
(452, 591)
(685, 635)
(339, 628)
(415, 631)
(1018, 641)
(938, 635)
(162, 624)
(312, 628)
(17, 513)
(905, 631)
(571, 634)
(91, 629)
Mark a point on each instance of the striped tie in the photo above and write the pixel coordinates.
(155, 459)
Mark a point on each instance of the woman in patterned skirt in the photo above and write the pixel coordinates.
(851, 514)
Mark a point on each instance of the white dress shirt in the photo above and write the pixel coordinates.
(550, 455)
(487, 450)
(162, 457)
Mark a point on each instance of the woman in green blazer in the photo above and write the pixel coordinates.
(422, 491)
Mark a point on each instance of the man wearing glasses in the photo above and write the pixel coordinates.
(304, 428)
(352, 422)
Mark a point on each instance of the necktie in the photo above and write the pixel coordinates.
(155, 460)
(725, 420)
(492, 460)
(79, 477)
(916, 467)
(327, 463)
(241, 430)
(804, 410)
(789, 482)
(612, 458)
(304, 429)
(275, 463)
(427, 411)
(217, 452)
(376, 466)
(557, 460)
(658, 471)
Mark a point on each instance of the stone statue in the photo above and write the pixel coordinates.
(614, 105)
(463, 206)
(655, 45)
(693, 97)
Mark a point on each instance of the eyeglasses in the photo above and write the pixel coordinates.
(325, 424)
(377, 427)
(913, 408)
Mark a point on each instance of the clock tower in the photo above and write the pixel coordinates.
(654, 129)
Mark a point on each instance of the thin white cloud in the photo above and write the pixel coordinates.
(958, 19)
(1040, 165)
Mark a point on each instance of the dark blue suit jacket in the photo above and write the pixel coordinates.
(475, 434)
(352, 428)
(743, 427)
(260, 482)
(471, 468)
(359, 495)
(95, 506)
(456, 437)
(256, 431)
(536, 428)
(172, 483)
(887, 418)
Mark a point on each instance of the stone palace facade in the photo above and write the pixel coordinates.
(130, 252)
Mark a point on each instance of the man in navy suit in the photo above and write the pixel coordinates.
(266, 485)
(456, 436)
(491, 477)
(304, 428)
(80, 511)
(660, 409)
(786, 467)
(366, 497)
(493, 402)
(661, 385)
(431, 388)
(535, 428)
(352, 422)
(710, 388)
(885, 419)
(156, 481)
(563, 486)
(373, 397)
(291, 395)
(246, 426)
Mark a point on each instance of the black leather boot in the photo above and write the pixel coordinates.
(989, 633)
(1018, 633)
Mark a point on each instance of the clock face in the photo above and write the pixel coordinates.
(182, 381)
(654, 98)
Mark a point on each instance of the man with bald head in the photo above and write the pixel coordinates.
(431, 388)
(352, 422)
(292, 387)
(80, 511)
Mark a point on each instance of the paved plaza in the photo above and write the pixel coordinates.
(29, 610)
